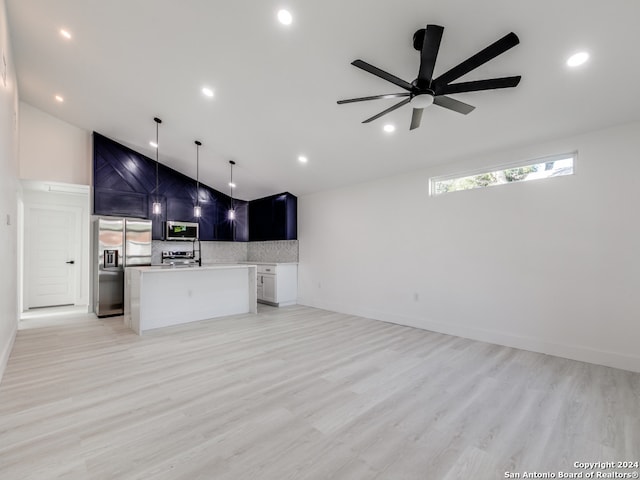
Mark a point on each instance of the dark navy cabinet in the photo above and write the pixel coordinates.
(273, 218)
(124, 184)
(241, 226)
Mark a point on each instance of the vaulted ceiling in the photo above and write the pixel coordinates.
(275, 86)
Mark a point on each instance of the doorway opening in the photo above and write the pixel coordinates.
(55, 255)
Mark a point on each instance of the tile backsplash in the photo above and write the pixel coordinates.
(233, 252)
(276, 251)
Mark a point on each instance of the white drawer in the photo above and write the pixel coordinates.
(267, 269)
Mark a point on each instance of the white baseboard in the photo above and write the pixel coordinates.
(564, 350)
(6, 351)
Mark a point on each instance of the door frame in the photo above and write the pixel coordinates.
(64, 197)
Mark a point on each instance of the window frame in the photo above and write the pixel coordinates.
(496, 168)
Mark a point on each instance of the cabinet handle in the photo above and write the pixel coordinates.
(268, 269)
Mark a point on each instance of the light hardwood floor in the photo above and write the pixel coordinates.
(300, 393)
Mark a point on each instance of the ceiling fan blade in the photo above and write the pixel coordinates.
(415, 118)
(382, 74)
(492, 51)
(375, 97)
(453, 104)
(390, 109)
(429, 54)
(490, 84)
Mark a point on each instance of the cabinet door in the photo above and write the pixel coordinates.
(260, 220)
(126, 204)
(269, 288)
(224, 227)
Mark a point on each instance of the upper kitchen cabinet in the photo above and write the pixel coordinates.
(273, 218)
(241, 225)
(238, 229)
(125, 185)
(120, 179)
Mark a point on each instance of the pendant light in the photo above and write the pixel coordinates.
(157, 206)
(197, 209)
(232, 212)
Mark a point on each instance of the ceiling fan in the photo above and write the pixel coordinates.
(426, 90)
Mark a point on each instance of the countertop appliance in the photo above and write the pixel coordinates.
(118, 243)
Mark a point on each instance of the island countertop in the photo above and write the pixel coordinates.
(269, 263)
(161, 296)
(180, 268)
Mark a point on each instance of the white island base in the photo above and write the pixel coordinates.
(157, 297)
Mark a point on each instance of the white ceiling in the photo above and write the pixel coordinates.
(276, 87)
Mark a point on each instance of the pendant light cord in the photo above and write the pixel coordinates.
(232, 163)
(158, 122)
(157, 156)
(198, 173)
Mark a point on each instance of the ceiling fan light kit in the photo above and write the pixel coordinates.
(426, 90)
(422, 101)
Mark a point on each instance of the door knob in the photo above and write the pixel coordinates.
(70, 262)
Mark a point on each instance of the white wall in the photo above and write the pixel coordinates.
(549, 266)
(53, 150)
(9, 192)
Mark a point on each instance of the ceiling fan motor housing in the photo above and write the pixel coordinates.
(418, 39)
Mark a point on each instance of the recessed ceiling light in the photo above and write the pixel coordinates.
(65, 33)
(206, 91)
(577, 59)
(153, 144)
(389, 128)
(285, 18)
(232, 185)
(303, 159)
(59, 98)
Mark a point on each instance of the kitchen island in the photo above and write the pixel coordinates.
(161, 296)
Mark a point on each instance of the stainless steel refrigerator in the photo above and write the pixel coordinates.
(118, 243)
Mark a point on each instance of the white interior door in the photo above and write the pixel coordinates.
(52, 255)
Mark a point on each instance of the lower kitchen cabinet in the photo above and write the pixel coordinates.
(278, 284)
(268, 288)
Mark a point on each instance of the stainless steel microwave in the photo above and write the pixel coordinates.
(181, 231)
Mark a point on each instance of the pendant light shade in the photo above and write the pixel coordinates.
(232, 212)
(157, 206)
(197, 210)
